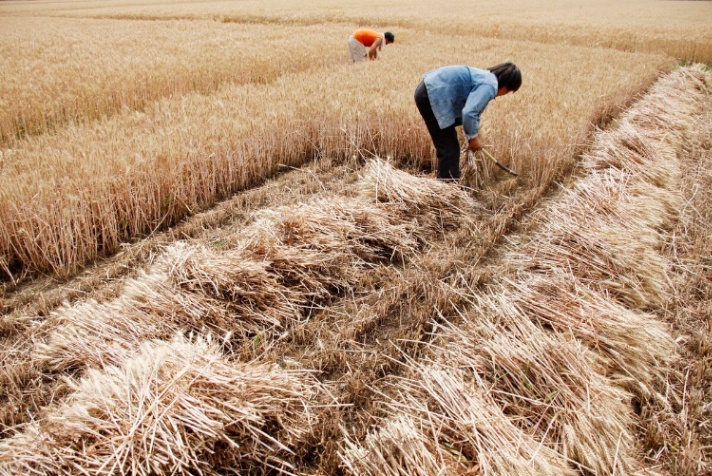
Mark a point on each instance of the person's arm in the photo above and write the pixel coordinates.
(373, 52)
(476, 103)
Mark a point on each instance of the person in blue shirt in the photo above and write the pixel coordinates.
(454, 96)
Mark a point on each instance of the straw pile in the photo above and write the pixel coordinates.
(594, 273)
(92, 334)
(452, 426)
(435, 205)
(250, 290)
(318, 249)
(607, 231)
(547, 381)
(257, 283)
(174, 407)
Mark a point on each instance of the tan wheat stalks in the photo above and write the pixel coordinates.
(436, 205)
(70, 197)
(548, 382)
(456, 421)
(173, 407)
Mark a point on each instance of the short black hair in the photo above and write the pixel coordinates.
(389, 37)
(508, 75)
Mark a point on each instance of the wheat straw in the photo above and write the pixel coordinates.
(436, 205)
(174, 407)
(547, 381)
(456, 422)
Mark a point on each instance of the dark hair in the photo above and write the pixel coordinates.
(389, 37)
(508, 75)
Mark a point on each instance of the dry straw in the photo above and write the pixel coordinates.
(400, 446)
(288, 257)
(456, 422)
(546, 381)
(174, 407)
(435, 205)
(267, 276)
(607, 238)
(93, 334)
(254, 294)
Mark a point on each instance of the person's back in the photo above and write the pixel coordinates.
(367, 37)
(450, 87)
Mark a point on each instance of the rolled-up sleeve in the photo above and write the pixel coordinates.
(476, 102)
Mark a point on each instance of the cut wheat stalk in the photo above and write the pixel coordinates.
(173, 407)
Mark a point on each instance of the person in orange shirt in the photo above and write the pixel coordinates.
(365, 38)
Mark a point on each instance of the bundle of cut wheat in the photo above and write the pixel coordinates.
(455, 421)
(401, 446)
(633, 347)
(255, 296)
(155, 294)
(381, 231)
(316, 248)
(434, 204)
(607, 234)
(546, 383)
(627, 149)
(309, 251)
(287, 259)
(600, 263)
(653, 129)
(174, 407)
(151, 306)
(672, 104)
(91, 334)
(619, 202)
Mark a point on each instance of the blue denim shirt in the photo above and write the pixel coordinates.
(459, 94)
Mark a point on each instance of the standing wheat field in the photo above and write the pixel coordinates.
(222, 249)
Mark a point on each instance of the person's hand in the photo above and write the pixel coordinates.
(474, 144)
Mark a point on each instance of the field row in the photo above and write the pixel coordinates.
(70, 196)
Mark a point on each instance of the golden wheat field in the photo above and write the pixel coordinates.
(223, 249)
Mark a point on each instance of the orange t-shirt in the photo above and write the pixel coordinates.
(367, 37)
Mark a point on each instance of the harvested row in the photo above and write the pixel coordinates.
(172, 407)
(568, 339)
(683, 427)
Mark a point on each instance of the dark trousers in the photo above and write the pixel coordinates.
(447, 145)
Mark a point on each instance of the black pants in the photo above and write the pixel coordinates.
(447, 145)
